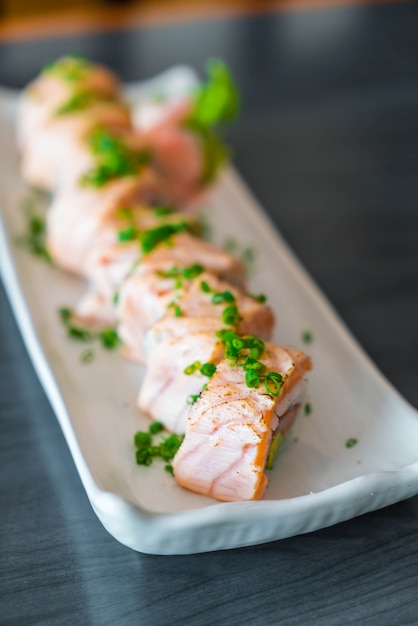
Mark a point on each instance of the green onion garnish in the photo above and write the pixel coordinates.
(109, 338)
(230, 316)
(205, 286)
(156, 427)
(79, 101)
(193, 271)
(192, 368)
(307, 336)
(70, 68)
(272, 384)
(147, 450)
(208, 369)
(216, 102)
(252, 378)
(87, 356)
(163, 211)
(151, 238)
(113, 159)
(350, 443)
(34, 236)
(245, 352)
(221, 297)
(127, 234)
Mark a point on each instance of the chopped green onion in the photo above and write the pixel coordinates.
(253, 364)
(34, 236)
(261, 297)
(113, 159)
(144, 456)
(308, 408)
(173, 272)
(127, 234)
(156, 427)
(163, 211)
(230, 316)
(79, 101)
(256, 346)
(109, 338)
(205, 286)
(350, 443)
(150, 239)
(142, 439)
(192, 398)
(238, 343)
(193, 271)
(124, 214)
(208, 369)
(70, 68)
(192, 368)
(272, 384)
(307, 336)
(65, 314)
(87, 356)
(252, 378)
(176, 309)
(220, 297)
(80, 334)
(169, 446)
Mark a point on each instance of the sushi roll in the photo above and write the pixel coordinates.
(247, 404)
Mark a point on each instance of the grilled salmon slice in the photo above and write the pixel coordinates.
(171, 338)
(55, 86)
(81, 218)
(209, 303)
(146, 293)
(230, 427)
(57, 152)
(177, 153)
(167, 392)
(110, 262)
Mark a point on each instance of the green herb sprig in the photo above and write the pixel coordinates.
(215, 102)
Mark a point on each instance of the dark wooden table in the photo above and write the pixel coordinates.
(328, 141)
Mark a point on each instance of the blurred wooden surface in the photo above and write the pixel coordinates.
(328, 142)
(25, 19)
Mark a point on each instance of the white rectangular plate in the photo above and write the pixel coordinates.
(317, 481)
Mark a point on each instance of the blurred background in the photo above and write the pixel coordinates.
(43, 13)
(27, 8)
